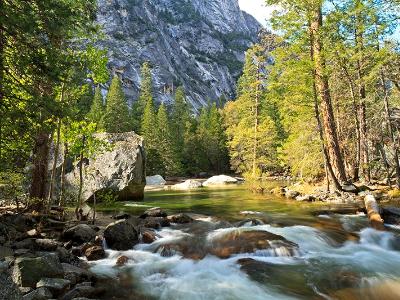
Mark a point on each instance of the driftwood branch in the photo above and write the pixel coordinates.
(374, 216)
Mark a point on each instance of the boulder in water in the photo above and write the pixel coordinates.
(155, 180)
(119, 170)
(121, 235)
(154, 212)
(180, 219)
(95, 253)
(187, 185)
(237, 241)
(220, 180)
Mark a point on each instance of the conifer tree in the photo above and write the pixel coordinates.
(165, 146)
(146, 94)
(149, 133)
(180, 117)
(116, 117)
(96, 112)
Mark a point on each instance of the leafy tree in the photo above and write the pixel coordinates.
(116, 117)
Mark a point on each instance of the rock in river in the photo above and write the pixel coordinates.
(121, 235)
(220, 180)
(187, 185)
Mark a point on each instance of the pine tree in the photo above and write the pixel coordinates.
(96, 112)
(149, 133)
(146, 94)
(165, 146)
(180, 117)
(116, 116)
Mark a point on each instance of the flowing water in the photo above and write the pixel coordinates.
(338, 256)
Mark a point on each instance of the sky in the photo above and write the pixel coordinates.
(256, 8)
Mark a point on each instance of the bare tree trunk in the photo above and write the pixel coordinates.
(322, 87)
(62, 184)
(40, 163)
(385, 162)
(391, 131)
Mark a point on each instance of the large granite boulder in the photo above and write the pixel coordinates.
(28, 271)
(120, 169)
(8, 289)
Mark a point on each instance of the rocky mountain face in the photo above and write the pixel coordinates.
(198, 44)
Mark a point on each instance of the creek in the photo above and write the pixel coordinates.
(338, 256)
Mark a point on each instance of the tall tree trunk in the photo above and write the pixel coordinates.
(391, 131)
(79, 202)
(54, 168)
(40, 163)
(356, 166)
(62, 184)
(359, 39)
(322, 87)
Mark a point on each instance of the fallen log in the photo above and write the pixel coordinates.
(374, 216)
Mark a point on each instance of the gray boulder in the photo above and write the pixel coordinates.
(38, 294)
(28, 271)
(121, 235)
(5, 251)
(8, 289)
(120, 169)
(55, 285)
(79, 234)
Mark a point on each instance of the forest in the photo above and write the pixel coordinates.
(317, 105)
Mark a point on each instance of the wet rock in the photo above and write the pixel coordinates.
(75, 274)
(85, 290)
(39, 294)
(187, 185)
(123, 216)
(21, 252)
(278, 191)
(155, 180)
(148, 237)
(5, 251)
(290, 194)
(95, 253)
(154, 212)
(55, 285)
(391, 215)
(79, 234)
(122, 260)
(180, 219)
(220, 180)
(292, 275)
(250, 222)
(248, 241)
(121, 235)
(28, 271)
(33, 233)
(8, 289)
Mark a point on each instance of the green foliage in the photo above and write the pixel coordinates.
(165, 144)
(180, 116)
(116, 117)
(146, 95)
(97, 109)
